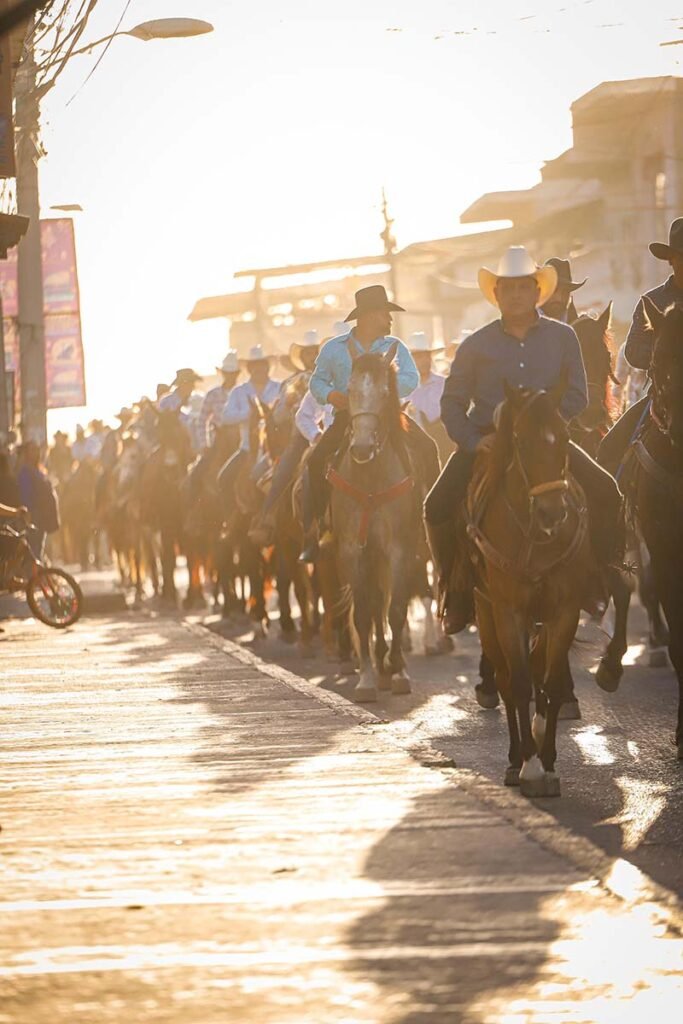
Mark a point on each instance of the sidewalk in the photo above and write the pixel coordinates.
(189, 837)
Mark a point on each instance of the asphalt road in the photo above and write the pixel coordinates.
(622, 786)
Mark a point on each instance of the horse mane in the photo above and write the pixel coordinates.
(603, 356)
(498, 446)
(373, 364)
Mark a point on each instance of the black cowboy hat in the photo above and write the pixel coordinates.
(663, 251)
(185, 376)
(564, 273)
(372, 299)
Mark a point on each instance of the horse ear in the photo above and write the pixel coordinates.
(556, 393)
(653, 315)
(605, 318)
(390, 353)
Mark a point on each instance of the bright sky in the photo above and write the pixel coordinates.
(269, 142)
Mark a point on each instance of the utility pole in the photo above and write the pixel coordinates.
(390, 249)
(29, 262)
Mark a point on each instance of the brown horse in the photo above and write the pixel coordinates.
(376, 521)
(121, 510)
(588, 429)
(653, 484)
(161, 494)
(527, 526)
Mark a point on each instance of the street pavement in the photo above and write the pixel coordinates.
(191, 835)
(622, 786)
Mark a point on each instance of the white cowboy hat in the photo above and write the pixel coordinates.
(516, 262)
(255, 355)
(311, 340)
(231, 363)
(417, 342)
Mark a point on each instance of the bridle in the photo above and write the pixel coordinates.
(537, 490)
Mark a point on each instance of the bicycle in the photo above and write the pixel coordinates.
(52, 594)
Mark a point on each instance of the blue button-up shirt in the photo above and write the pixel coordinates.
(333, 366)
(491, 356)
(640, 339)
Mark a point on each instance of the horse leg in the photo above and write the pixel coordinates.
(610, 670)
(382, 659)
(365, 689)
(284, 583)
(512, 637)
(485, 691)
(569, 708)
(304, 597)
(658, 638)
(398, 614)
(498, 666)
(168, 565)
(560, 634)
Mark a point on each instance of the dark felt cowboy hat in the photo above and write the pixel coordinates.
(185, 376)
(663, 251)
(371, 299)
(564, 273)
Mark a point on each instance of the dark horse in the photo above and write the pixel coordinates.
(376, 521)
(527, 523)
(588, 429)
(653, 484)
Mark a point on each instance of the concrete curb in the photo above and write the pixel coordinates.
(616, 876)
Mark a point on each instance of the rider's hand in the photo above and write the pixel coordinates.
(338, 399)
(23, 513)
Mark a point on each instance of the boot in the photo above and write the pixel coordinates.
(456, 606)
(309, 555)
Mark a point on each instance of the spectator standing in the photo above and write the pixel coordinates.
(37, 496)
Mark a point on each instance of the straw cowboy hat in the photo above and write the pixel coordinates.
(516, 262)
(370, 300)
(564, 273)
(255, 355)
(417, 342)
(311, 340)
(185, 376)
(231, 363)
(663, 251)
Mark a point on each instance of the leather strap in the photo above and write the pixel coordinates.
(368, 501)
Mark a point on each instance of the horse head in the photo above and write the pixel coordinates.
(374, 406)
(666, 371)
(594, 336)
(538, 445)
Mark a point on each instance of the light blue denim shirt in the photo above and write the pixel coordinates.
(333, 366)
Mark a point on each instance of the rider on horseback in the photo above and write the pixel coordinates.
(526, 349)
(639, 342)
(330, 383)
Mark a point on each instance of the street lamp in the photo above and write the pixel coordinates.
(159, 28)
(29, 269)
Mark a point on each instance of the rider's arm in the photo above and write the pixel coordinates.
(407, 376)
(575, 398)
(322, 380)
(455, 401)
(639, 339)
(236, 408)
(308, 418)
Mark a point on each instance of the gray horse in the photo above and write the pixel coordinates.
(376, 522)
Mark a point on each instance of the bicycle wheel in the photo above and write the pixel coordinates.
(55, 598)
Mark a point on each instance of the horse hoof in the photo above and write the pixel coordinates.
(486, 698)
(552, 784)
(365, 694)
(570, 711)
(511, 776)
(658, 658)
(607, 678)
(400, 684)
(384, 681)
(547, 784)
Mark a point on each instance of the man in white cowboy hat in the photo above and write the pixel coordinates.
(330, 385)
(179, 399)
(238, 409)
(425, 400)
(640, 340)
(525, 349)
(215, 399)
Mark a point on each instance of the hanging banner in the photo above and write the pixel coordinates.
(64, 362)
(7, 165)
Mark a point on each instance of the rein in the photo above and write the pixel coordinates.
(368, 501)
